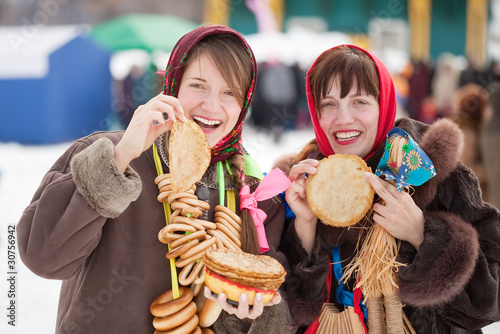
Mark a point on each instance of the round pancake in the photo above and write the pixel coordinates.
(338, 193)
(189, 155)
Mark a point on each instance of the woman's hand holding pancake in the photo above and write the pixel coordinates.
(146, 125)
(243, 310)
(399, 216)
(305, 220)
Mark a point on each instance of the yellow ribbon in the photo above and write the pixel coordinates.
(168, 213)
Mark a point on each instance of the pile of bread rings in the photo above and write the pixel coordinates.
(189, 238)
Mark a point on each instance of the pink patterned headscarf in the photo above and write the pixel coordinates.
(231, 143)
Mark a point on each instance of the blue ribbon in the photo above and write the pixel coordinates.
(343, 296)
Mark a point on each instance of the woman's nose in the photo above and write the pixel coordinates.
(211, 102)
(343, 115)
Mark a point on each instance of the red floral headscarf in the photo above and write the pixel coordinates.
(231, 143)
(387, 106)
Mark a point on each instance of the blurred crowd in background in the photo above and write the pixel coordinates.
(429, 85)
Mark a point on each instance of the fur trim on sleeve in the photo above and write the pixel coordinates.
(444, 263)
(98, 179)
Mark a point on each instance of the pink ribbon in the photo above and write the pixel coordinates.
(271, 185)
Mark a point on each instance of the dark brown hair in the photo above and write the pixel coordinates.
(349, 65)
(230, 57)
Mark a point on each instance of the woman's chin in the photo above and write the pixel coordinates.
(213, 139)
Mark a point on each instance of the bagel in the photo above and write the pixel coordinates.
(177, 319)
(189, 221)
(222, 208)
(209, 313)
(165, 182)
(190, 272)
(197, 223)
(180, 263)
(225, 240)
(175, 196)
(221, 227)
(229, 219)
(181, 249)
(188, 327)
(165, 305)
(228, 225)
(199, 248)
(162, 177)
(186, 208)
(185, 238)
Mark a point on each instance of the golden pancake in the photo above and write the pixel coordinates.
(338, 193)
(189, 155)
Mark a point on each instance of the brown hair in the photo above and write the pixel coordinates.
(349, 65)
(230, 57)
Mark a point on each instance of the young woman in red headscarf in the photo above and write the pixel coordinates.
(450, 238)
(94, 221)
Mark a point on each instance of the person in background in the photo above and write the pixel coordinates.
(94, 220)
(471, 112)
(449, 278)
(444, 84)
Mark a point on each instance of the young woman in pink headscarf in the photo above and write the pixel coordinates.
(94, 220)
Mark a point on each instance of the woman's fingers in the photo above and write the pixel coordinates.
(305, 166)
(399, 215)
(175, 105)
(258, 307)
(164, 104)
(384, 189)
(243, 310)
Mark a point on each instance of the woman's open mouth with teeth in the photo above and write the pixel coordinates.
(348, 135)
(205, 123)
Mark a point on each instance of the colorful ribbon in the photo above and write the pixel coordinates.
(271, 185)
(343, 295)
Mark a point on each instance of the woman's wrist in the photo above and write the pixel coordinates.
(306, 231)
(121, 160)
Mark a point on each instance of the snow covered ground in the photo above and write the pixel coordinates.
(21, 170)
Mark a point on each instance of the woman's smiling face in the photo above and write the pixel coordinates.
(208, 100)
(350, 123)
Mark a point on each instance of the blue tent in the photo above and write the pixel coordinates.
(55, 85)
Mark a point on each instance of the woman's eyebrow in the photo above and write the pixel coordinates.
(196, 78)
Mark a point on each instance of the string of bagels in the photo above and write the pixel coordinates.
(184, 309)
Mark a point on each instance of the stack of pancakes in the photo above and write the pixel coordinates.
(235, 273)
